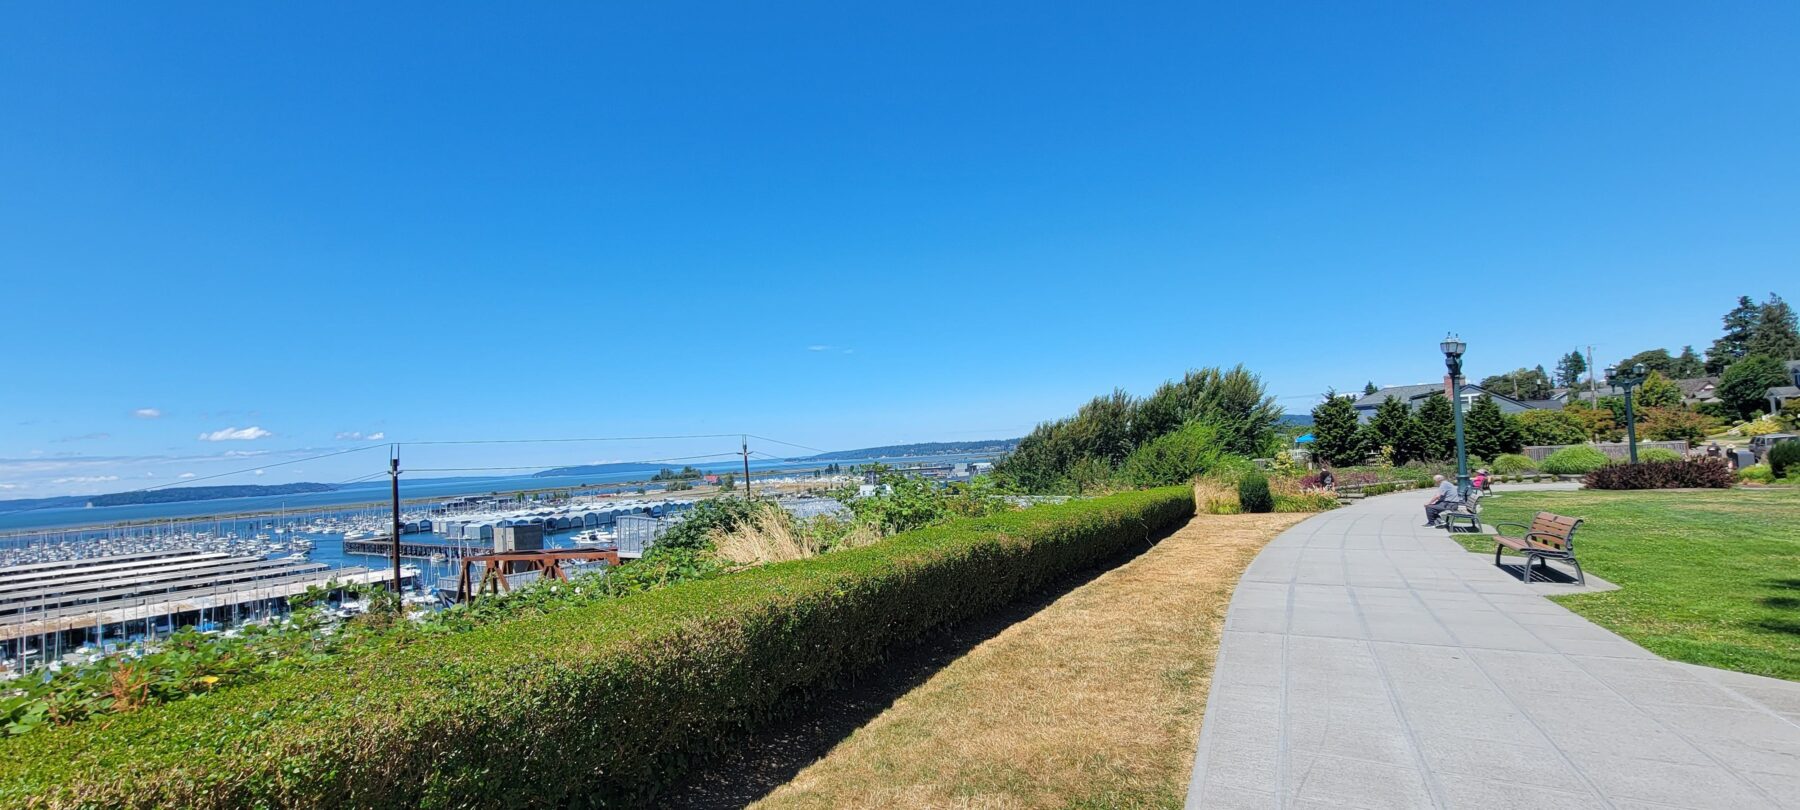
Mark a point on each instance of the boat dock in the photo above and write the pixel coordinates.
(60, 605)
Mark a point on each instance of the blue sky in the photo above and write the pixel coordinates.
(838, 225)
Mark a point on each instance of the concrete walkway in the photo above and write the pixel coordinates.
(1371, 662)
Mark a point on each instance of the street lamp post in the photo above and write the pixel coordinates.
(1628, 379)
(1453, 347)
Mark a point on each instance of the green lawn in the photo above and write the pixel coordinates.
(1709, 577)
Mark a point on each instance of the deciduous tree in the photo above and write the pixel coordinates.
(1745, 385)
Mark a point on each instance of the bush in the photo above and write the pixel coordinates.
(1305, 502)
(1757, 473)
(1174, 458)
(1657, 454)
(1578, 460)
(1513, 464)
(1784, 458)
(1253, 493)
(1698, 473)
(614, 699)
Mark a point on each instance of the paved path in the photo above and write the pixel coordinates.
(1371, 662)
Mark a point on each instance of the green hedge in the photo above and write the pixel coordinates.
(601, 705)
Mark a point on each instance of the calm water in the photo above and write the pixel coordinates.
(377, 491)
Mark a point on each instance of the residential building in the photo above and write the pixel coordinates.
(1412, 395)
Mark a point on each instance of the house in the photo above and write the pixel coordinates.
(1786, 395)
(1412, 395)
(1693, 392)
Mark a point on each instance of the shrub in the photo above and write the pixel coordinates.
(1578, 460)
(1762, 426)
(1655, 454)
(1676, 424)
(1305, 502)
(1757, 473)
(1513, 464)
(613, 698)
(1174, 458)
(1253, 493)
(1546, 427)
(1784, 458)
(1697, 473)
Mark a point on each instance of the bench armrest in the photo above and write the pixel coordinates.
(1499, 526)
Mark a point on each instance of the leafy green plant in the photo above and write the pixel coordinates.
(1513, 464)
(1757, 473)
(1174, 458)
(1657, 454)
(1578, 460)
(1253, 493)
(1784, 458)
(1696, 473)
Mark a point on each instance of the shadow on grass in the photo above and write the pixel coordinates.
(769, 758)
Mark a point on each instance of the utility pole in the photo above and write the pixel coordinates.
(394, 473)
(746, 441)
(1593, 390)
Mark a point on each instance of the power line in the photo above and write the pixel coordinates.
(790, 444)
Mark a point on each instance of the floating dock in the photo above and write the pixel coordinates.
(156, 591)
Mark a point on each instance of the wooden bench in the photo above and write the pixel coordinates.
(1549, 537)
(1465, 516)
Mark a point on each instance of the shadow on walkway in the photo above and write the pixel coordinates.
(768, 759)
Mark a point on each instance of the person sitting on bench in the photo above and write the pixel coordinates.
(1447, 497)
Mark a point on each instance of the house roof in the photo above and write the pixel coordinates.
(1785, 392)
(1695, 385)
(1404, 393)
(1412, 393)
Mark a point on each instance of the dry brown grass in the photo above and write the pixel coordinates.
(1093, 701)
(772, 536)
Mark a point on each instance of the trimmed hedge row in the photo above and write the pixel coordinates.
(593, 706)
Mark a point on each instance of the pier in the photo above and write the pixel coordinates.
(58, 606)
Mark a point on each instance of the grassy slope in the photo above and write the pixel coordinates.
(1709, 578)
(1094, 701)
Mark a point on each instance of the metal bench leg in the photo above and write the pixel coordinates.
(1580, 578)
(1497, 548)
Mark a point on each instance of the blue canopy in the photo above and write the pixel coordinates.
(1304, 439)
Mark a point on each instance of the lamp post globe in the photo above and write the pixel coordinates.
(1453, 348)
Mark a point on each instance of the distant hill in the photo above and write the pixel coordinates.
(922, 449)
(170, 495)
(595, 469)
(1297, 419)
(180, 494)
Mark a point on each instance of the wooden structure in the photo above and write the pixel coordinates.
(546, 562)
(1549, 537)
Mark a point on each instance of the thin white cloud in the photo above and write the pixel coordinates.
(185, 475)
(359, 436)
(232, 434)
(85, 479)
(85, 437)
(147, 413)
(821, 347)
(9, 485)
(258, 472)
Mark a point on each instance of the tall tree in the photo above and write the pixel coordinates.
(1740, 323)
(1391, 428)
(1369, 388)
(1653, 360)
(1488, 431)
(1336, 437)
(1745, 385)
(1775, 334)
(1435, 426)
(1570, 368)
(1687, 365)
(1658, 392)
(1524, 383)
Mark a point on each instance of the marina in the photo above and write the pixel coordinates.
(92, 604)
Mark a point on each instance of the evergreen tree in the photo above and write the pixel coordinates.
(1391, 427)
(1775, 334)
(1434, 427)
(1570, 368)
(1746, 383)
(1658, 392)
(1524, 383)
(1487, 431)
(1336, 437)
(1740, 322)
(1687, 365)
(1369, 388)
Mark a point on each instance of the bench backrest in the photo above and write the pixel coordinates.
(1552, 531)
